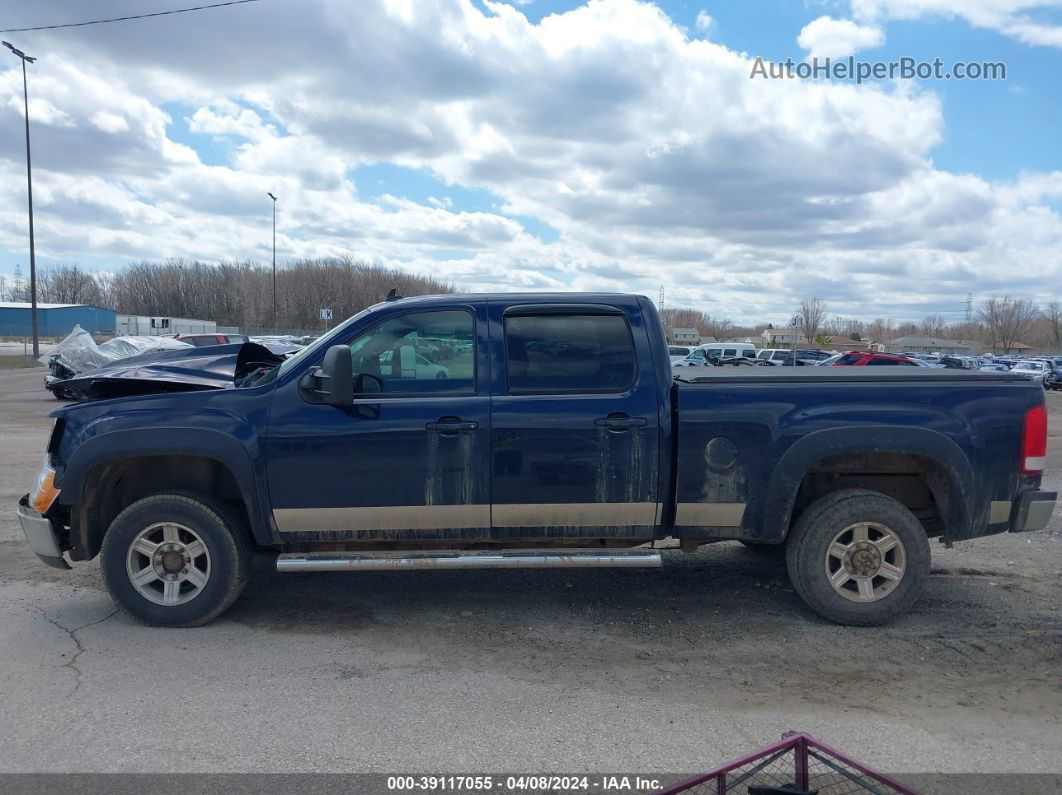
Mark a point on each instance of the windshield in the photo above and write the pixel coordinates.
(321, 343)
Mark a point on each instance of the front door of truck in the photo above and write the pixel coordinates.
(411, 462)
(574, 423)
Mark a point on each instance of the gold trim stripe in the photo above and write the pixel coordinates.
(401, 517)
(574, 514)
(709, 514)
(446, 517)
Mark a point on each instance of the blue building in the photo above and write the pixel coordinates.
(54, 320)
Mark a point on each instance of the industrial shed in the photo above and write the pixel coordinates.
(54, 320)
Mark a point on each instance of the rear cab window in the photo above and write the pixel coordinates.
(566, 353)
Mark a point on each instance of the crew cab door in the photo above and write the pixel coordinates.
(410, 462)
(575, 438)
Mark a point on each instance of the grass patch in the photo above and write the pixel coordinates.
(18, 362)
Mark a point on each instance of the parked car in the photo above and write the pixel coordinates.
(1053, 379)
(862, 359)
(777, 357)
(699, 356)
(1032, 368)
(677, 353)
(325, 465)
(994, 368)
(415, 361)
(199, 340)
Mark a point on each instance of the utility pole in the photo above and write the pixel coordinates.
(29, 193)
(274, 198)
(969, 307)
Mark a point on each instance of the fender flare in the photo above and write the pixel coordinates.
(226, 449)
(803, 455)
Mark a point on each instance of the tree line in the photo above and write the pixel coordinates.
(233, 293)
(240, 293)
(998, 323)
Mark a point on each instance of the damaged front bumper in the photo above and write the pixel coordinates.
(41, 535)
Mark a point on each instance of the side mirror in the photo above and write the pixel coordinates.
(367, 384)
(337, 376)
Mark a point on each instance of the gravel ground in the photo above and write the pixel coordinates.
(674, 670)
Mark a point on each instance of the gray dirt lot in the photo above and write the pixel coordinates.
(672, 670)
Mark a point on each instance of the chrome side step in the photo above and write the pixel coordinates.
(509, 559)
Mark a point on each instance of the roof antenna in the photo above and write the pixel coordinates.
(393, 295)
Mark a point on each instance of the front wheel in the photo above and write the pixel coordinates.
(174, 560)
(858, 557)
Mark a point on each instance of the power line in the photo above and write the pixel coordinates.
(125, 19)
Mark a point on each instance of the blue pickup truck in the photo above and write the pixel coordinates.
(523, 430)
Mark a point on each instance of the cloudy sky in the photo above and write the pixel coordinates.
(552, 144)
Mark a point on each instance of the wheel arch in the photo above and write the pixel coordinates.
(113, 470)
(939, 461)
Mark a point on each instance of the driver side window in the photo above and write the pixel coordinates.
(420, 353)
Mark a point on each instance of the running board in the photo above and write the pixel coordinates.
(512, 559)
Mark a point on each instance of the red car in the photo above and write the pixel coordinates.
(860, 359)
(199, 340)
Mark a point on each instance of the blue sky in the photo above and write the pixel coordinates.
(607, 144)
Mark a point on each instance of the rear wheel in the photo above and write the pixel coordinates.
(175, 560)
(858, 557)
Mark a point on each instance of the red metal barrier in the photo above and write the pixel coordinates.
(798, 763)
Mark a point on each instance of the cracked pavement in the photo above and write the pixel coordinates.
(72, 662)
(673, 670)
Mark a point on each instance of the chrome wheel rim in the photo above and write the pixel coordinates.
(865, 562)
(168, 564)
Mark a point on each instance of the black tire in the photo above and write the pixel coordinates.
(816, 529)
(440, 374)
(226, 540)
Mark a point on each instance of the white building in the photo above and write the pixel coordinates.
(148, 326)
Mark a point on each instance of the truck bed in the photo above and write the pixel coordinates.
(744, 447)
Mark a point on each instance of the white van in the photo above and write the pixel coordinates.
(721, 350)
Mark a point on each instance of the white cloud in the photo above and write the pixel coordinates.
(651, 154)
(704, 21)
(827, 37)
(1009, 17)
(109, 121)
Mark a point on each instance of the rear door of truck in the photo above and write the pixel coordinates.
(575, 442)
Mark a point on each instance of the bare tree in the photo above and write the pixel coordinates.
(1053, 318)
(720, 328)
(68, 284)
(682, 317)
(933, 326)
(1007, 320)
(964, 331)
(812, 317)
(240, 293)
(881, 329)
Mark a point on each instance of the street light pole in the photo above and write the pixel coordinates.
(274, 198)
(29, 193)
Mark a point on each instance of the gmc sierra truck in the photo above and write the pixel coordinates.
(515, 430)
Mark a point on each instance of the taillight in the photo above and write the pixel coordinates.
(1034, 441)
